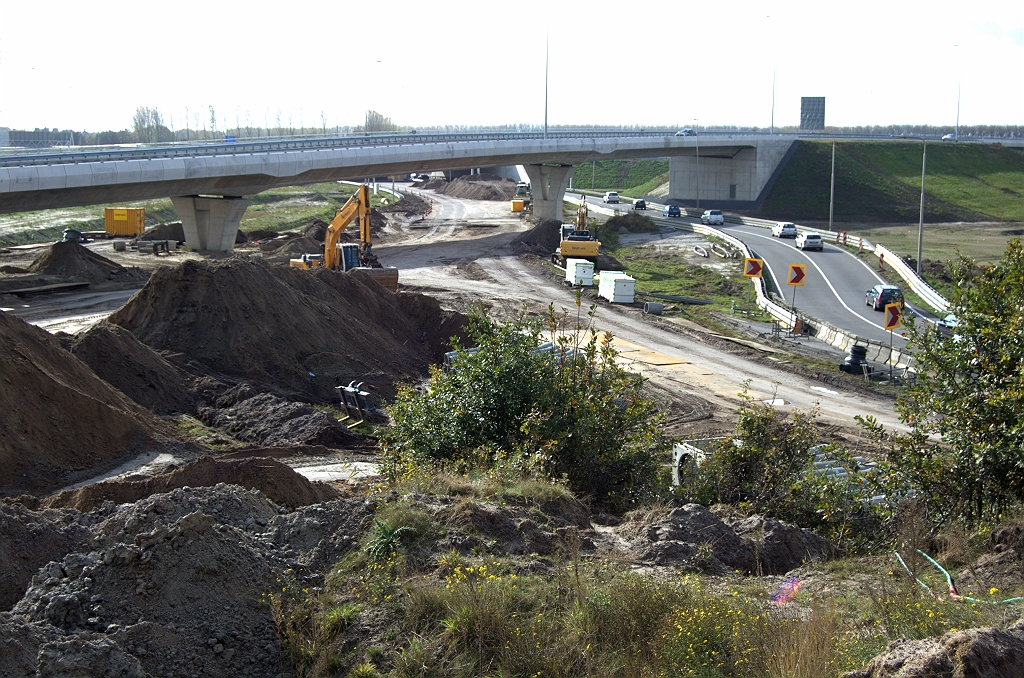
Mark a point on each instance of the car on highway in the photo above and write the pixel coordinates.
(712, 217)
(611, 196)
(809, 241)
(639, 204)
(879, 296)
(670, 211)
(784, 229)
(686, 132)
(949, 323)
(949, 137)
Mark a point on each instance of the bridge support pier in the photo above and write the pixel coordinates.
(548, 183)
(210, 224)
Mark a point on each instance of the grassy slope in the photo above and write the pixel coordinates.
(880, 181)
(620, 175)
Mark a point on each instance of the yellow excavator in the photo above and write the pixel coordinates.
(577, 241)
(350, 256)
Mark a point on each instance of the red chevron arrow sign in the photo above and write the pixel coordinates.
(893, 316)
(753, 268)
(797, 273)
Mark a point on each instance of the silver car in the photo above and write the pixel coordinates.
(784, 229)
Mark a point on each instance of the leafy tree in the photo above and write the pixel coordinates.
(964, 454)
(375, 122)
(568, 413)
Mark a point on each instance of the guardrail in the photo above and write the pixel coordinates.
(816, 327)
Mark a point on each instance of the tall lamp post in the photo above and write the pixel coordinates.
(696, 135)
(920, 223)
(959, 79)
(832, 190)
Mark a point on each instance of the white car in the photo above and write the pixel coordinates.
(809, 241)
(784, 229)
(949, 137)
(611, 196)
(712, 217)
(686, 132)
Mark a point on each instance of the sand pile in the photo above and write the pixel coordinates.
(480, 187)
(172, 231)
(296, 333)
(135, 369)
(60, 421)
(174, 584)
(71, 260)
(433, 185)
(277, 481)
(316, 230)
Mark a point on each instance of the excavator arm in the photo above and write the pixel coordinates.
(358, 206)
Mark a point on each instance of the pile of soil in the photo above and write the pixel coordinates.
(172, 231)
(316, 230)
(275, 480)
(410, 204)
(433, 185)
(479, 187)
(177, 584)
(261, 234)
(71, 260)
(542, 239)
(60, 422)
(292, 247)
(298, 334)
(135, 369)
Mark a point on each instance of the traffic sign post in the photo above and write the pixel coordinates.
(752, 268)
(797, 274)
(893, 320)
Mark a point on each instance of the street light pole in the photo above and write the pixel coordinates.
(959, 79)
(696, 135)
(773, 103)
(546, 61)
(920, 223)
(832, 191)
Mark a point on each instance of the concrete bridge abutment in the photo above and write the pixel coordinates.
(548, 184)
(210, 223)
(727, 177)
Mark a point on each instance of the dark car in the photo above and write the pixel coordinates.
(670, 211)
(879, 296)
(639, 205)
(73, 235)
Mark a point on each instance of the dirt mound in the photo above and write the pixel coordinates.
(606, 262)
(542, 239)
(284, 247)
(135, 369)
(479, 187)
(71, 260)
(377, 220)
(299, 333)
(184, 598)
(432, 185)
(277, 481)
(265, 419)
(32, 539)
(173, 231)
(316, 230)
(60, 421)
(177, 584)
(261, 234)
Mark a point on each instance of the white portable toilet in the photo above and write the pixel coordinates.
(616, 287)
(579, 272)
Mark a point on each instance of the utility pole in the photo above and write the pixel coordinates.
(920, 223)
(773, 103)
(696, 135)
(546, 62)
(832, 191)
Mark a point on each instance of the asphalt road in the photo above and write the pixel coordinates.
(834, 287)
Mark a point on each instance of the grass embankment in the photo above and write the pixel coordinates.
(631, 178)
(397, 607)
(279, 209)
(881, 182)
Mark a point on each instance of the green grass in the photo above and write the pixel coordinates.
(621, 175)
(280, 209)
(881, 182)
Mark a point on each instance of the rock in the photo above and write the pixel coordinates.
(780, 547)
(86, 657)
(693, 535)
(974, 653)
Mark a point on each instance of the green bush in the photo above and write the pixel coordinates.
(569, 414)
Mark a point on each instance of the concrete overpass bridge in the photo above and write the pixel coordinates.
(208, 183)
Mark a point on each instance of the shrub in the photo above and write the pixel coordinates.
(567, 414)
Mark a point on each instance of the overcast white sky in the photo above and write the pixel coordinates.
(88, 64)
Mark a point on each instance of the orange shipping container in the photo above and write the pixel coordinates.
(124, 222)
(518, 205)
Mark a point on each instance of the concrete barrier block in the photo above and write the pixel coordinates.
(195, 168)
(172, 169)
(77, 176)
(103, 173)
(51, 178)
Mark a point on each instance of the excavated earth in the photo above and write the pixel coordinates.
(172, 571)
